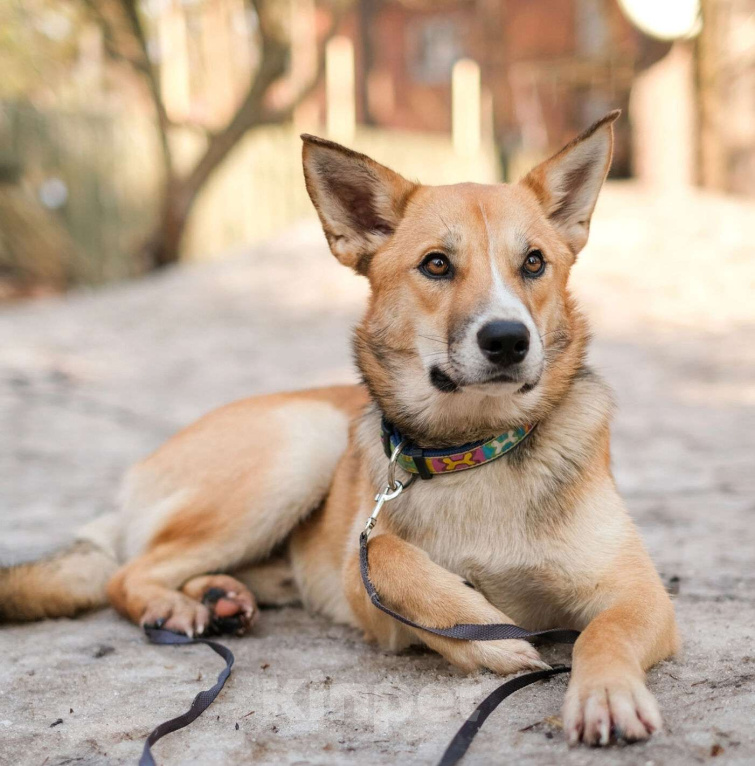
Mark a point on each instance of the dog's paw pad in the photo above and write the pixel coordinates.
(233, 610)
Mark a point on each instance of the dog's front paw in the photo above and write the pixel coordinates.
(598, 712)
(502, 657)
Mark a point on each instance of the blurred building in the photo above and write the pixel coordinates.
(548, 68)
(95, 117)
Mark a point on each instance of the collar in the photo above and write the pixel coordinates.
(430, 462)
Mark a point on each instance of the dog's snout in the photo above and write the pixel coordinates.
(504, 343)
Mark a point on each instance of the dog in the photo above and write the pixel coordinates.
(470, 333)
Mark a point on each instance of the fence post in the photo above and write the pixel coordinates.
(303, 22)
(465, 108)
(339, 88)
(174, 62)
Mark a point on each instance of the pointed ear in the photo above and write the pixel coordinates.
(567, 184)
(359, 201)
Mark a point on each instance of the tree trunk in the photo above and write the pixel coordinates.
(163, 246)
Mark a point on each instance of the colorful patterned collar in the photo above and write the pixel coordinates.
(430, 462)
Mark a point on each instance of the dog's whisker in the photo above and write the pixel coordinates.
(432, 337)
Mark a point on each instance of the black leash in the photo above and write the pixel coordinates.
(463, 738)
(201, 702)
(463, 632)
(473, 632)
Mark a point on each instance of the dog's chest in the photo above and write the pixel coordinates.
(472, 521)
(497, 530)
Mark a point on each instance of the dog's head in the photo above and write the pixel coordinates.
(470, 327)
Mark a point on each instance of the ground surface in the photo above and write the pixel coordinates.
(90, 383)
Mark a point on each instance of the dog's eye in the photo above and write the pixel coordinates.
(534, 264)
(436, 266)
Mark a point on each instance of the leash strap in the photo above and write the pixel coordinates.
(463, 738)
(462, 631)
(201, 702)
(465, 632)
(473, 632)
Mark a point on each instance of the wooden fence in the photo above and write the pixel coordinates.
(110, 169)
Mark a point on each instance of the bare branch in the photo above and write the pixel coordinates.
(138, 60)
(163, 247)
(285, 112)
(151, 76)
(273, 59)
(195, 126)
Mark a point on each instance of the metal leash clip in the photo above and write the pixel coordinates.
(392, 490)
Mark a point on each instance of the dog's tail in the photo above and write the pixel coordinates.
(70, 581)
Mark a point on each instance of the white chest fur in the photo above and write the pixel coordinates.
(505, 528)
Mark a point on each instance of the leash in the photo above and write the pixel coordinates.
(462, 632)
(463, 737)
(201, 702)
(473, 632)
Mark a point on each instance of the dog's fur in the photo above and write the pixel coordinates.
(274, 490)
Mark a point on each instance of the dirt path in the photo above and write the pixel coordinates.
(93, 382)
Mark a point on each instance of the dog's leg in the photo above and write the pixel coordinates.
(166, 587)
(410, 583)
(222, 494)
(272, 582)
(634, 629)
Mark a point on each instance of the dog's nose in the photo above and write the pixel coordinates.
(504, 343)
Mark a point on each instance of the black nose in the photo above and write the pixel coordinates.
(504, 343)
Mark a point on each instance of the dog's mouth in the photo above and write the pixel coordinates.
(443, 382)
(503, 377)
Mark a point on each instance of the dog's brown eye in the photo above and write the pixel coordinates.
(436, 266)
(534, 264)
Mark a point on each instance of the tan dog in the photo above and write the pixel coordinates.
(470, 331)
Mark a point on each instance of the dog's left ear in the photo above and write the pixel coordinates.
(567, 184)
(360, 202)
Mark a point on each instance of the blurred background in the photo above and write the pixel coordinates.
(135, 133)
(159, 257)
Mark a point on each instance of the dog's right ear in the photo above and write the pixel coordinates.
(359, 201)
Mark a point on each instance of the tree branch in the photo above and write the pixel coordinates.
(252, 113)
(153, 82)
(140, 64)
(109, 38)
(285, 113)
(273, 57)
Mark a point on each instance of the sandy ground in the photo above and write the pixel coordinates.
(92, 382)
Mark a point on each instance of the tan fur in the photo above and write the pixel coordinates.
(273, 491)
(71, 581)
